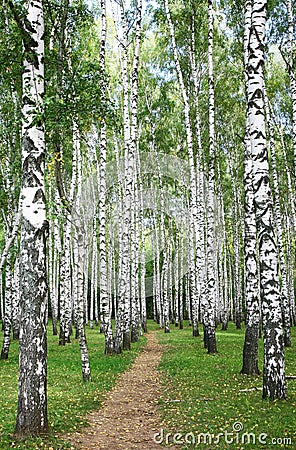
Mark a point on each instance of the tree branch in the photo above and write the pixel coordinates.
(59, 181)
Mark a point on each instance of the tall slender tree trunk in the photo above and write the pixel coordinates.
(176, 281)
(54, 267)
(66, 287)
(209, 322)
(237, 278)
(252, 288)
(32, 393)
(279, 230)
(8, 305)
(165, 296)
(135, 239)
(157, 273)
(106, 324)
(252, 291)
(291, 70)
(15, 318)
(193, 191)
(274, 384)
(104, 298)
(79, 257)
(142, 249)
(130, 141)
(290, 269)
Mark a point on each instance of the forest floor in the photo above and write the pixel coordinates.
(129, 417)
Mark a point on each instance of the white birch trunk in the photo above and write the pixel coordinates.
(67, 281)
(237, 290)
(124, 280)
(274, 384)
(32, 392)
(105, 310)
(94, 272)
(290, 270)
(16, 300)
(54, 268)
(135, 307)
(135, 237)
(209, 319)
(176, 282)
(165, 297)
(193, 192)
(157, 274)
(8, 305)
(252, 289)
(79, 259)
(279, 230)
(105, 314)
(291, 70)
(66, 286)
(251, 272)
(119, 306)
(142, 252)
(181, 285)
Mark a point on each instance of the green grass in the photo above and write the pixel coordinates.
(69, 399)
(202, 394)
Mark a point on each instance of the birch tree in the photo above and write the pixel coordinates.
(279, 229)
(32, 394)
(274, 384)
(193, 191)
(7, 317)
(290, 61)
(104, 299)
(130, 111)
(79, 258)
(251, 280)
(252, 292)
(210, 336)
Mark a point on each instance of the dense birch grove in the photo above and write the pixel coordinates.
(148, 171)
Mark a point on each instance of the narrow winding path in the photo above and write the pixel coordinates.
(129, 416)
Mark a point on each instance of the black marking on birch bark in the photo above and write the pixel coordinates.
(257, 94)
(261, 158)
(32, 57)
(263, 180)
(30, 168)
(30, 179)
(259, 10)
(26, 30)
(255, 69)
(39, 195)
(258, 134)
(30, 29)
(28, 101)
(29, 146)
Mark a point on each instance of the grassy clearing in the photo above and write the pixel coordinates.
(201, 392)
(202, 395)
(69, 399)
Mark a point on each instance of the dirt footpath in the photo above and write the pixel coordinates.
(129, 416)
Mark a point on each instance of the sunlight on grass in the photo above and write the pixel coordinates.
(205, 394)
